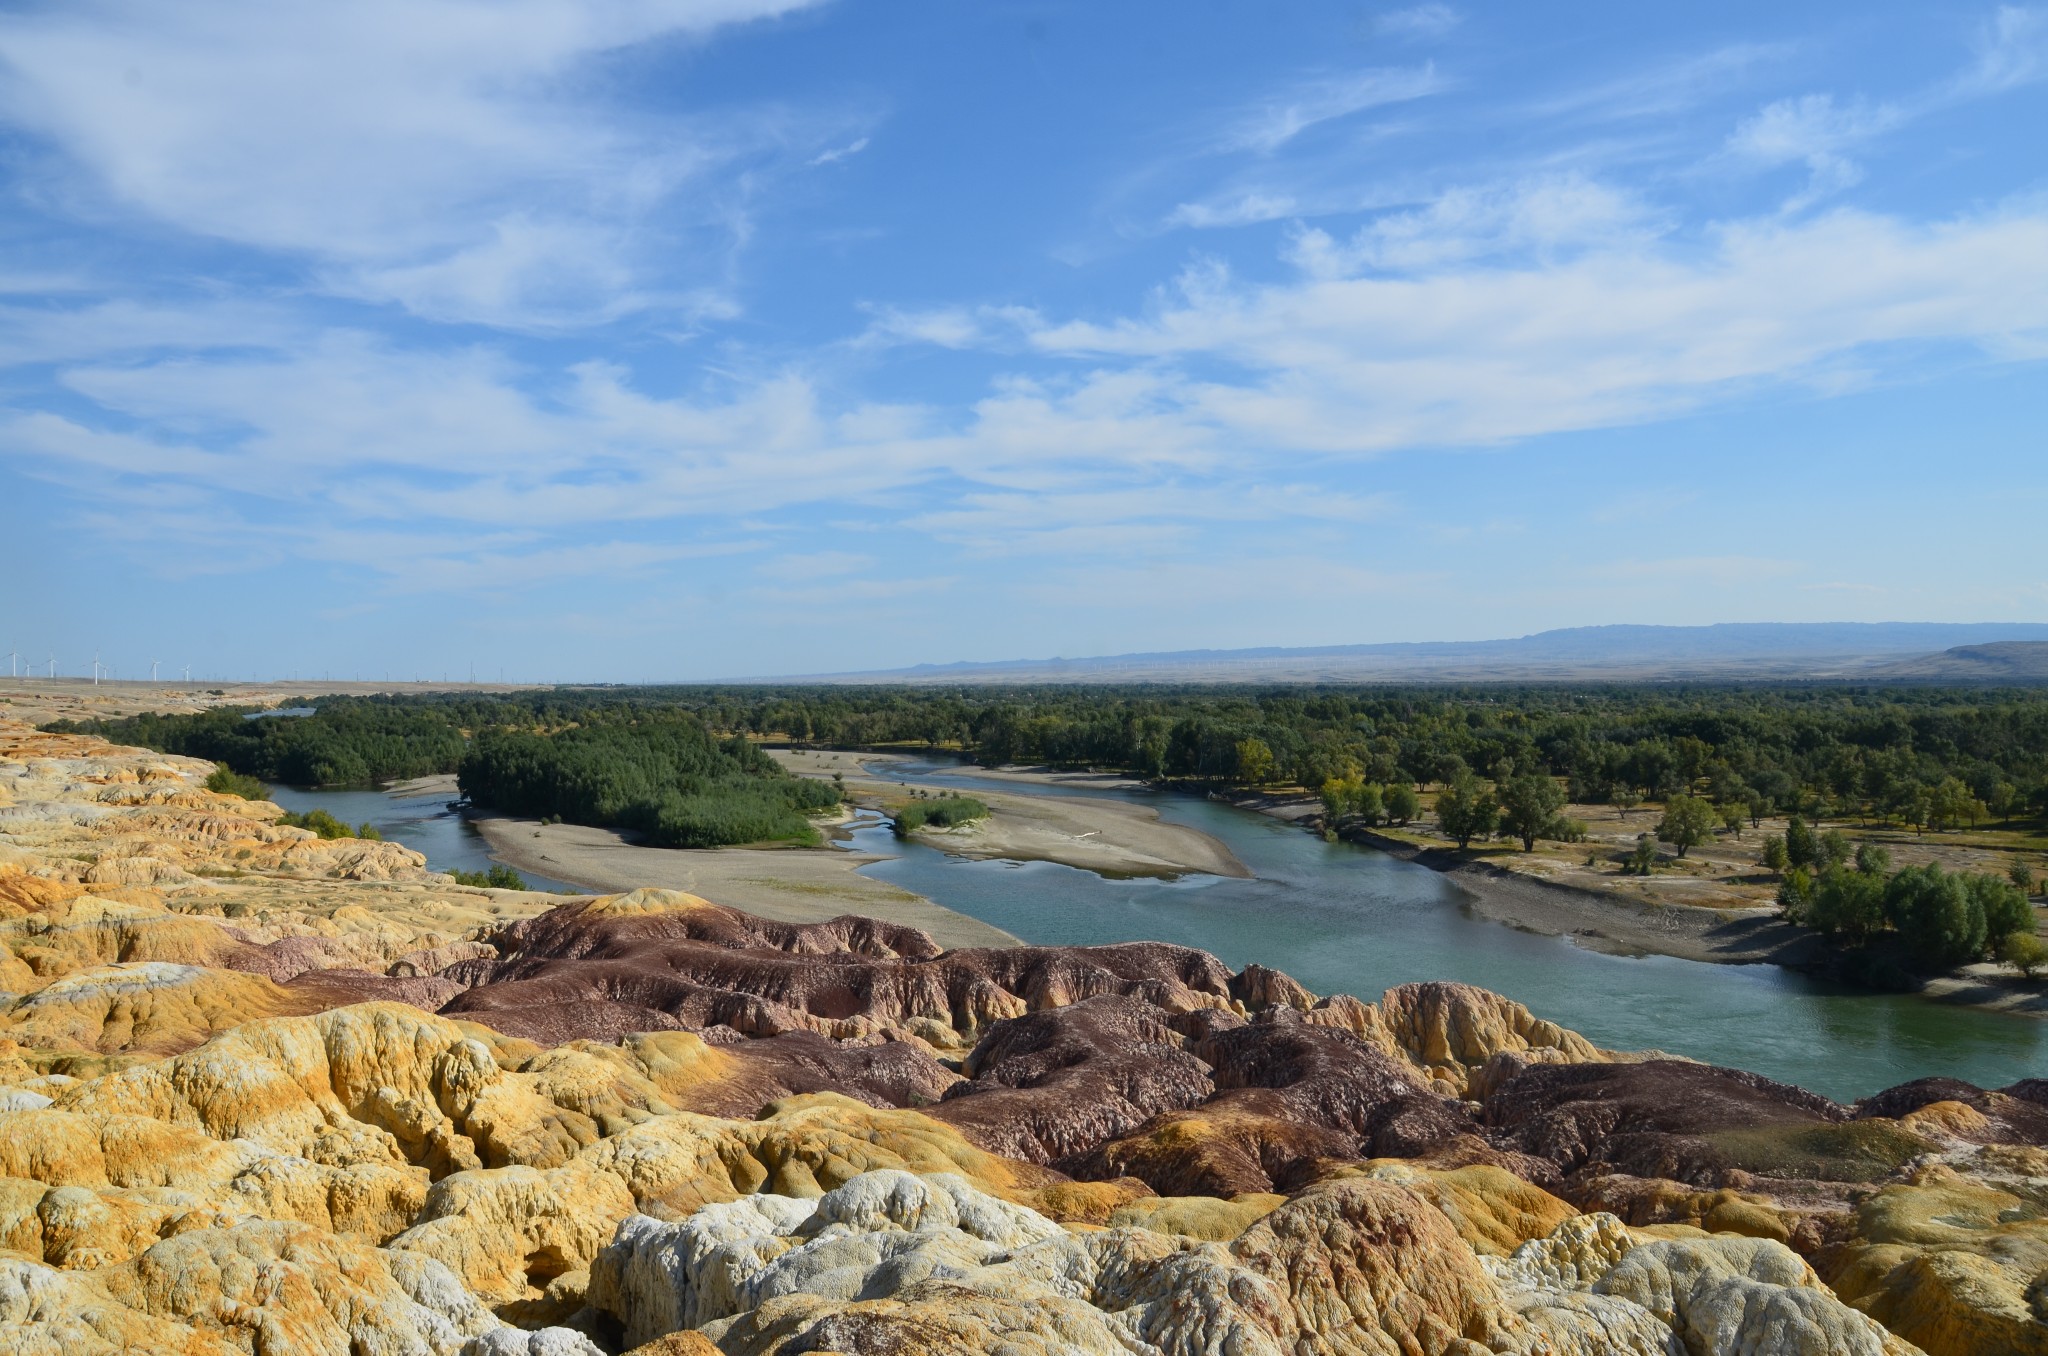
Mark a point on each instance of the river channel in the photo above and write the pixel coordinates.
(1347, 919)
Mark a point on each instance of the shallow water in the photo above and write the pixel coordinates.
(423, 823)
(1347, 919)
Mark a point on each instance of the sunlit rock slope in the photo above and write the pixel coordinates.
(263, 1093)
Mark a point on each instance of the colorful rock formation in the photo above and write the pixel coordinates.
(265, 1093)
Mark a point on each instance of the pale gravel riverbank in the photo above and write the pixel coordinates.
(1108, 837)
(795, 885)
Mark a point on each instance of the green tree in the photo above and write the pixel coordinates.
(2021, 875)
(1644, 858)
(1371, 803)
(1732, 814)
(1402, 803)
(1624, 801)
(1951, 804)
(1802, 847)
(1466, 810)
(1873, 860)
(2005, 909)
(1834, 849)
(1758, 806)
(1848, 904)
(1255, 762)
(1688, 821)
(1795, 893)
(2024, 952)
(1528, 804)
(1775, 858)
(2001, 800)
(1933, 912)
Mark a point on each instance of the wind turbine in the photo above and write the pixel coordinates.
(53, 666)
(188, 673)
(152, 669)
(95, 668)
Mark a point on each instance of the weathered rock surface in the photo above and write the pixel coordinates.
(264, 1093)
(891, 1261)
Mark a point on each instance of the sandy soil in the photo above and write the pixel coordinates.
(439, 784)
(1109, 837)
(797, 885)
(41, 700)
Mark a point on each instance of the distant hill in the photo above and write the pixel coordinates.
(1727, 650)
(2011, 661)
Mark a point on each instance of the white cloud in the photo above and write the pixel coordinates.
(1543, 216)
(1817, 132)
(1200, 413)
(1611, 334)
(436, 152)
(2011, 51)
(1274, 122)
(1243, 209)
(838, 153)
(1418, 21)
(1814, 125)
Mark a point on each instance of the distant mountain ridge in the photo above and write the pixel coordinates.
(2001, 661)
(1724, 650)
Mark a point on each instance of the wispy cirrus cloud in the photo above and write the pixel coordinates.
(454, 159)
(1417, 22)
(1272, 123)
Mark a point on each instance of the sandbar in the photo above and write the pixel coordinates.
(1115, 838)
(796, 885)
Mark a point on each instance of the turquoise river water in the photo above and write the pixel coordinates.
(1347, 919)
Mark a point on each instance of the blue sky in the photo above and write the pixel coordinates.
(643, 339)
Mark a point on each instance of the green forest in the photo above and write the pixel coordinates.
(1929, 756)
(683, 764)
(651, 767)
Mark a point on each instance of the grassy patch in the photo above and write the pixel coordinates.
(1854, 1151)
(942, 812)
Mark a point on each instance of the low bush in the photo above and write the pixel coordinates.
(942, 813)
(230, 783)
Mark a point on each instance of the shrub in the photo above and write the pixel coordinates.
(1795, 893)
(231, 783)
(322, 823)
(941, 812)
(1775, 857)
(497, 878)
(2023, 951)
(1564, 829)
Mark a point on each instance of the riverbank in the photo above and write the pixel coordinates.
(1624, 926)
(1112, 838)
(1612, 923)
(793, 885)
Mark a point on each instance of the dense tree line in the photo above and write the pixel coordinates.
(1943, 918)
(657, 771)
(593, 758)
(1931, 757)
(350, 742)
